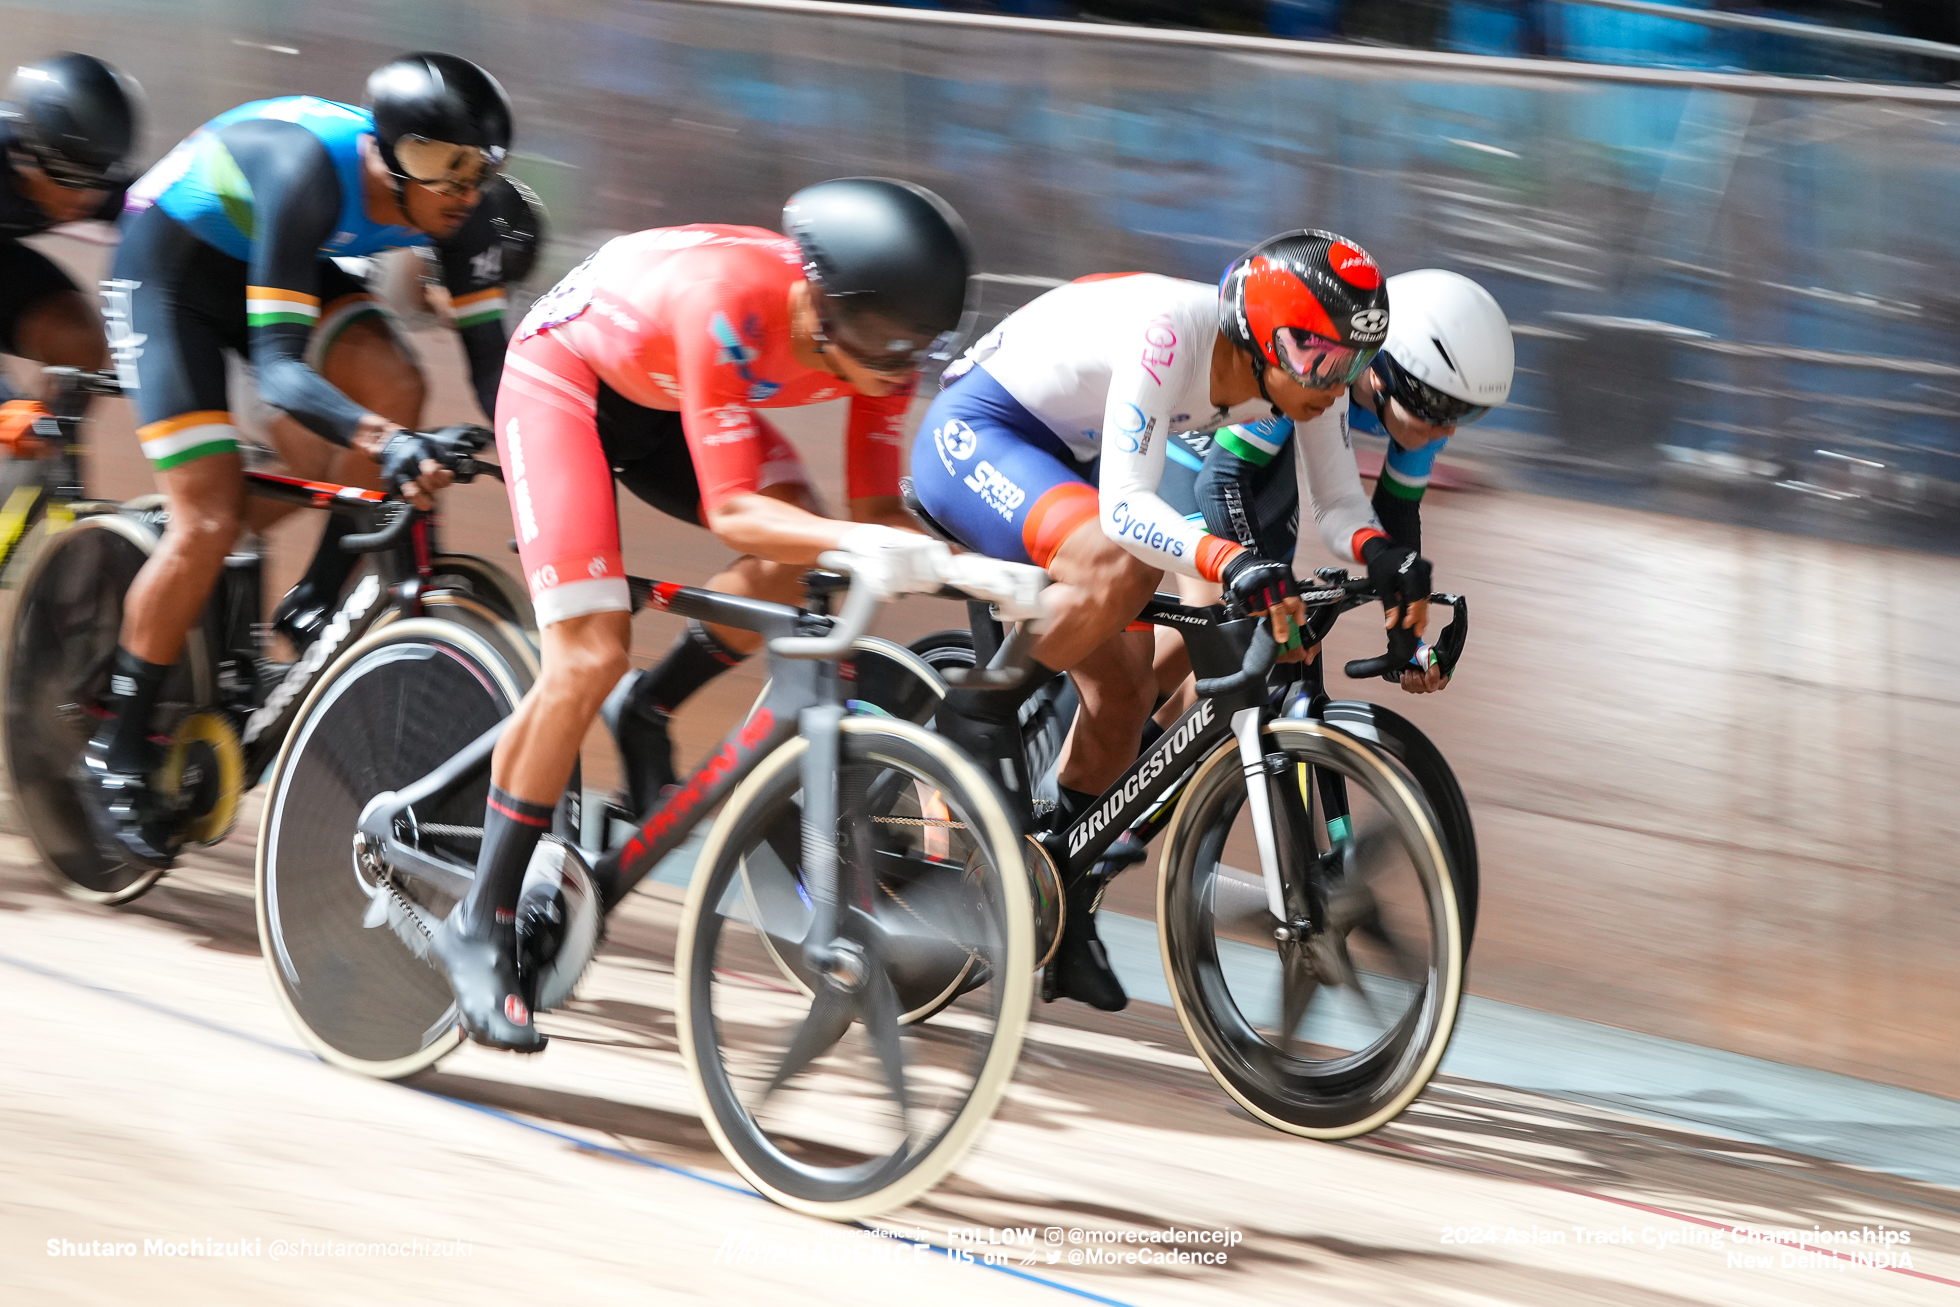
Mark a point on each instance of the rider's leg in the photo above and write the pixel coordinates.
(357, 349)
(561, 491)
(179, 305)
(583, 657)
(649, 456)
(1099, 589)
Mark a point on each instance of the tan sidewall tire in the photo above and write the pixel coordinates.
(42, 547)
(1017, 984)
(1367, 756)
(479, 632)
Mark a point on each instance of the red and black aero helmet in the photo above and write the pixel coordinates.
(1310, 303)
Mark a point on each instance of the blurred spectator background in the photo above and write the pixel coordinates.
(1583, 30)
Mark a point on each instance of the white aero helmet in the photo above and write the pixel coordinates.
(1448, 358)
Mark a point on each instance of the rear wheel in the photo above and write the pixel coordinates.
(67, 622)
(814, 1085)
(401, 701)
(1332, 1030)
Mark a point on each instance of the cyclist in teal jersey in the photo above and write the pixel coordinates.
(228, 245)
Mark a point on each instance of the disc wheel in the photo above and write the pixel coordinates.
(812, 1083)
(400, 701)
(62, 645)
(1334, 1031)
(488, 584)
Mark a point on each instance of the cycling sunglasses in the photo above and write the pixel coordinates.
(1317, 362)
(878, 346)
(67, 175)
(444, 168)
(1423, 401)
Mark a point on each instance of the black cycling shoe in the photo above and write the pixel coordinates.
(301, 616)
(482, 970)
(641, 734)
(1080, 968)
(127, 818)
(1127, 851)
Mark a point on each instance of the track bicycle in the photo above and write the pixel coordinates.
(861, 870)
(226, 705)
(1318, 887)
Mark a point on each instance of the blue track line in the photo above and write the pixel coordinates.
(583, 1145)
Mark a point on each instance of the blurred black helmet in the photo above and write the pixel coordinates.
(440, 119)
(891, 261)
(77, 117)
(518, 217)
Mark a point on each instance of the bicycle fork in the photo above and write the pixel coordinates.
(1252, 762)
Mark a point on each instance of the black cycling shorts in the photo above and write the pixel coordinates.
(648, 454)
(26, 278)
(174, 306)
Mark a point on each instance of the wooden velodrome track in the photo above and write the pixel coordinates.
(1710, 770)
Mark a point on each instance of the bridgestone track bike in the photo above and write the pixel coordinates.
(225, 706)
(862, 871)
(1318, 887)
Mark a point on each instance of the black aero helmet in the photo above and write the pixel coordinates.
(77, 117)
(890, 261)
(439, 119)
(517, 215)
(1311, 303)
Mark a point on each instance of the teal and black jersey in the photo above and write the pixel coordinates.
(1240, 482)
(216, 183)
(279, 186)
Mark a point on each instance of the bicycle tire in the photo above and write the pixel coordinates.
(1417, 752)
(1354, 1091)
(484, 581)
(796, 1171)
(404, 698)
(67, 622)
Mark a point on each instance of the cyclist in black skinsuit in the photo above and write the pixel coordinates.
(66, 130)
(228, 246)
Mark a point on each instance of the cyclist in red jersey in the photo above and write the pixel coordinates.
(648, 364)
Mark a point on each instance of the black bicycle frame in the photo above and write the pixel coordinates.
(1217, 648)
(797, 686)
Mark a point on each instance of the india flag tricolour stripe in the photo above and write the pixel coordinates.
(186, 437)
(483, 306)
(268, 306)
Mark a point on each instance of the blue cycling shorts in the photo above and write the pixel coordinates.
(996, 477)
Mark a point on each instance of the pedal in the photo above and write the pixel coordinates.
(559, 921)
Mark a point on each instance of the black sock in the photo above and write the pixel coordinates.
(511, 828)
(1073, 803)
(133, 687)
(696, 658)
(331, 565)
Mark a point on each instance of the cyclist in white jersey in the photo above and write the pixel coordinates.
(1060, 418)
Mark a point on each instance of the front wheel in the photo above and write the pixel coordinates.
(812, 1082)
(403, 700)
(62, 645)
(1331, 1030)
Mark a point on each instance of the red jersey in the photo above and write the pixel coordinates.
(695, 320)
